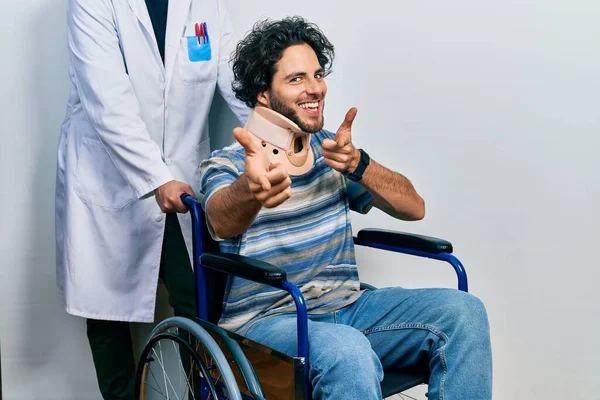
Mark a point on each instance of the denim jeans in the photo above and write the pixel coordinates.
(392, 328)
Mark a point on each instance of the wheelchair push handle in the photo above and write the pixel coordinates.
(190, 201)
(197, 215)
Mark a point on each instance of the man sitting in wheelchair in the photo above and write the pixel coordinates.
(290, 206)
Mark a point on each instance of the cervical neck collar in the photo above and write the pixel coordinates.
(281, 139)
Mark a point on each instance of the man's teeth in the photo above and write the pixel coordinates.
(309, 105)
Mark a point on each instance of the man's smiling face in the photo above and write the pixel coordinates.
(298, 88)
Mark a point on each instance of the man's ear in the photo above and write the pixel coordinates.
(264, 99)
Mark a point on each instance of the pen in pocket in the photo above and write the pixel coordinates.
(206, 32)
(202, 33)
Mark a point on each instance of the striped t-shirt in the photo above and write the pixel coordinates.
(309, 236)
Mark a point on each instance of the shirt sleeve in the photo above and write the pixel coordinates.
(359, 197)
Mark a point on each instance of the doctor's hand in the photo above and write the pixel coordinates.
(269, 183)
(168, 196)
(340, 154)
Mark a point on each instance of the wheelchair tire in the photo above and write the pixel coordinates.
(181, 360)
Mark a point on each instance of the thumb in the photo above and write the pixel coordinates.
(243, 137)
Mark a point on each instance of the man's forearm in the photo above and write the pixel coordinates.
(233, 209)
(393, 193)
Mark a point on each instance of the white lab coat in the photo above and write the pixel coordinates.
(132, 125)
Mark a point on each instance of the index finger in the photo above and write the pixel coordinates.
(344, 132)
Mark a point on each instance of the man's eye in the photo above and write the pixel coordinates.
(319, 76)
(296, 79)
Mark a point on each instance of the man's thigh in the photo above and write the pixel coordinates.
(280, 333)
(341, 358)
(405, 326)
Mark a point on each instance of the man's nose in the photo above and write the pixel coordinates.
(314, 87)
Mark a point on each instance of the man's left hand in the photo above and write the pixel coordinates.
(340, 154)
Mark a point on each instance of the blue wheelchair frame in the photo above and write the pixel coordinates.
(399, 242)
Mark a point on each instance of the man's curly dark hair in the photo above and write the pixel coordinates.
(256, 55)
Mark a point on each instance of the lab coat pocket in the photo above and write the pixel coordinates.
(98, 182)
(196, 62)
(198, 51)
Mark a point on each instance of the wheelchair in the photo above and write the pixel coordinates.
(196, 359)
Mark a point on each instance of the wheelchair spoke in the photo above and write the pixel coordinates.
(209, 363)
(155, 380)
(160, 358)
(209, 380)
(179, 359)
(166, 377)
(162, 366)
(186, 375)
(190, 346)
(156, 390)
(191, 375)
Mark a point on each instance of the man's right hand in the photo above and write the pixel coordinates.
(168, 196)
(270, 183)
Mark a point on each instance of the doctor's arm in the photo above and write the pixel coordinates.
(225, 74)
(392, 192)
(100, 75)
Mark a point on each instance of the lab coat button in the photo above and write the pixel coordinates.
(168, 161)
(158, 218)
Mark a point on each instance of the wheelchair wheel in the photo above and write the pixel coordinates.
(182, 361)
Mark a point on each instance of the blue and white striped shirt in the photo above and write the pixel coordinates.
(309, 236)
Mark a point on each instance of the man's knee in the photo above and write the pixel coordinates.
(465, 311)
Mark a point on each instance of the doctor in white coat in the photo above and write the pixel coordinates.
(134, 135)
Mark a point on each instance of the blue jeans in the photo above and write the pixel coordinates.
(392, 328)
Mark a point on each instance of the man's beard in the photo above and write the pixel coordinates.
(281, 108)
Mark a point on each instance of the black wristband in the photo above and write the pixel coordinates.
(360, 169)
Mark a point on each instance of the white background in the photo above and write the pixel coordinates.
(490, 108)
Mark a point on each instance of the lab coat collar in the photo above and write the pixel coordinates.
(141, 12)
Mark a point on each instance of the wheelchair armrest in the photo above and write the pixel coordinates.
(268, 274)
(244, 267)
(406, 240)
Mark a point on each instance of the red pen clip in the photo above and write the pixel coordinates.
(198, 32)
